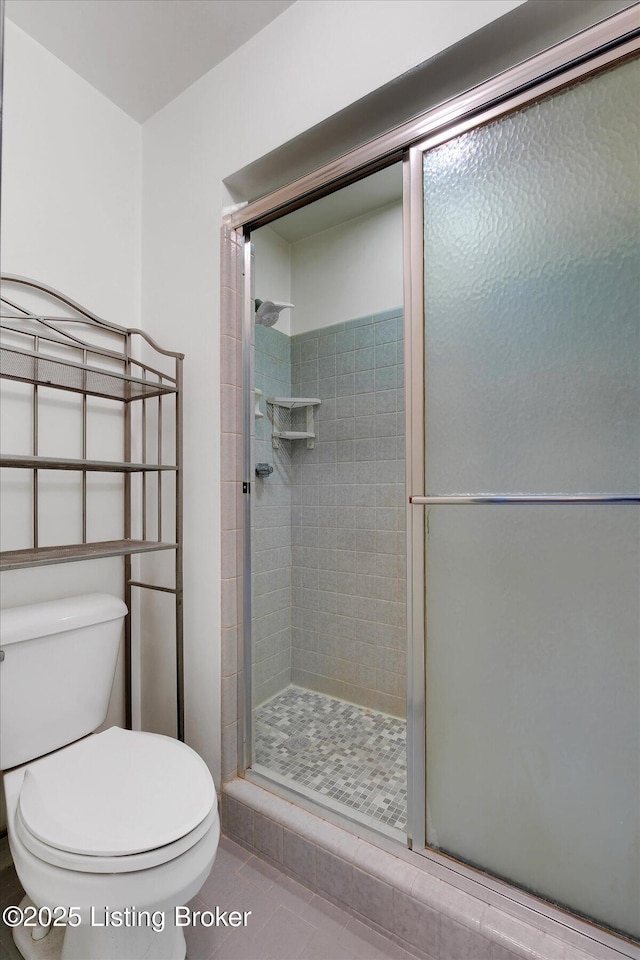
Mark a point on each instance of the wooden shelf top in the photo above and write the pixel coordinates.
(99, 466)
(43, 556)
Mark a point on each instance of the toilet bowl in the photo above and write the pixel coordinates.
(120, 827)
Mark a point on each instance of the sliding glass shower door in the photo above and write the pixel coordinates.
(531, 506)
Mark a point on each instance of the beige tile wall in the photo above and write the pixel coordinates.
(401, 896)
(231, 251)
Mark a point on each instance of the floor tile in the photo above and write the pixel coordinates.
(11, 893)
(352, 943)
(285, 935)
(8, 949)
(287, 920)
(325, 916)
(263, 904)
(240, 945)
(293, 895)
(373, 945)
(255, 870)
(322, 947)
(231, 854)
(223, 888)
(337, 749)
(202, 942)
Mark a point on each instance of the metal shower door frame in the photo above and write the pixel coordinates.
(245, 706)
(588, 52)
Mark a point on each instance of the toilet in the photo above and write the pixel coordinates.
(121, 826)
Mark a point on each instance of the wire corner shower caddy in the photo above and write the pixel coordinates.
(39, 347)
(286, 425)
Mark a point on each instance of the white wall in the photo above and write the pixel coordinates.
(316, 58)
(272, 272)
(351, 270)
(348, 271)
(71, 168)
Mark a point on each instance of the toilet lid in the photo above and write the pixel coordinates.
(116, 793)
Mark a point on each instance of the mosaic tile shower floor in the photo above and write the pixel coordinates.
(344, 752)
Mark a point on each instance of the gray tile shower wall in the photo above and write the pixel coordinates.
(271, 535)
(347, 516)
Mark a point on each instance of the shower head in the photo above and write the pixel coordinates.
(268, 311)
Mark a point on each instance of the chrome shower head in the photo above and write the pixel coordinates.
(268, 311)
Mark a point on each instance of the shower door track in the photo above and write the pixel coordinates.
(574, 58)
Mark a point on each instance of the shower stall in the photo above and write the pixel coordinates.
(328, 574)
(442, 487)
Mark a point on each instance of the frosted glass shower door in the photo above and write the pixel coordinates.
(532, 390)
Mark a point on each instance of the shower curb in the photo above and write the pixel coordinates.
(400, 894)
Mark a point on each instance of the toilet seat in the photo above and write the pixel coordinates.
(115, 802)
(127, 864)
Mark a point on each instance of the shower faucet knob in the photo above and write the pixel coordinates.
(263, 469)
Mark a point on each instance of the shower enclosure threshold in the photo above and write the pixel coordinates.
(265, 777)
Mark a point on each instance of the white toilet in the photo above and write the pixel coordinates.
(120, 825)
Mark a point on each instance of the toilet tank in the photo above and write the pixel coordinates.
(57, 667)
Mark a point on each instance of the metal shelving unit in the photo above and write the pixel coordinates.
(43, 348)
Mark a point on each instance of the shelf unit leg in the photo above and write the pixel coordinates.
(128, 707)
(127, 560)
(179, 558)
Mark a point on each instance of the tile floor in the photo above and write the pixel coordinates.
(287, 922)
(342, 751)
(11, 894)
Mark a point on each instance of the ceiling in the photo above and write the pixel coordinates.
(141, 54)
(364, 196)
